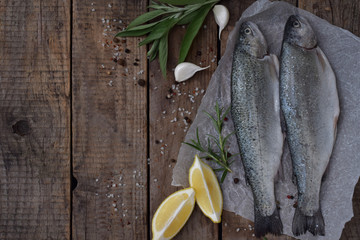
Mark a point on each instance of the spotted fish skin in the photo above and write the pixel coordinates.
(310, 104)
(255, 110)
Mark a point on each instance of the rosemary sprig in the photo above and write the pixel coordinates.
(221, 156)
(171, 13)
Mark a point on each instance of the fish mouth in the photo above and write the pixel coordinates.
(308, 49)
(266, 54)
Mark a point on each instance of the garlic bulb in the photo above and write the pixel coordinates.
(221, 14)
(186, 70)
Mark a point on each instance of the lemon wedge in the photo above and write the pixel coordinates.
(207, 189)
(173, 213)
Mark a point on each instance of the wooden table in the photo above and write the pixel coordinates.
(88, 143)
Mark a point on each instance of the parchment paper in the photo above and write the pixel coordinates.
(343, 51)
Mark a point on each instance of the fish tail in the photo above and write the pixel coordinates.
(314, 224)
(268, 224)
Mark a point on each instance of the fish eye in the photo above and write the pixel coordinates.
(296, 24)
(247, 31)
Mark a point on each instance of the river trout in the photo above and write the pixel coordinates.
(255, 110)
(310, 104)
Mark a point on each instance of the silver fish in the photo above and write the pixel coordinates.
(310, 104)
(255, 110)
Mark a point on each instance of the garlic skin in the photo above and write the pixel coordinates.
(186, 70)
(222, 15)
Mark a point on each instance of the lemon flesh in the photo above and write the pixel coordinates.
(173, 213)
(207, 189)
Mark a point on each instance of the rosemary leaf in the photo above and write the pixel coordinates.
(161, 30)
(146, 17)
(154, 50)
(182, 2)
(187, 18)
(145, 26)
(135, 33)
(192, 31)
(221, 157)
(171, 13)
(163, 53)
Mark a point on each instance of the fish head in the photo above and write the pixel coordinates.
(251, 40)
(299, 32)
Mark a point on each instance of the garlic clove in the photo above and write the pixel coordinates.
(221, 14)
(186, 70)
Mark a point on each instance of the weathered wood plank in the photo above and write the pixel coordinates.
(109, 123)
(35, 119)
(352, 228)
(168, 120)
(345, 14)
(342, 13)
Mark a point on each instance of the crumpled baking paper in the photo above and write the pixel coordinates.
(343, 51)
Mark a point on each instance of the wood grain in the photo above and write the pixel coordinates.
(166, 134)
(342, 13)
(34, 119)
(120, 117)
(352, 228)
(109, 123)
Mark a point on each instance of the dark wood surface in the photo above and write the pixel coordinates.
(35, 119)
(88, 143)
